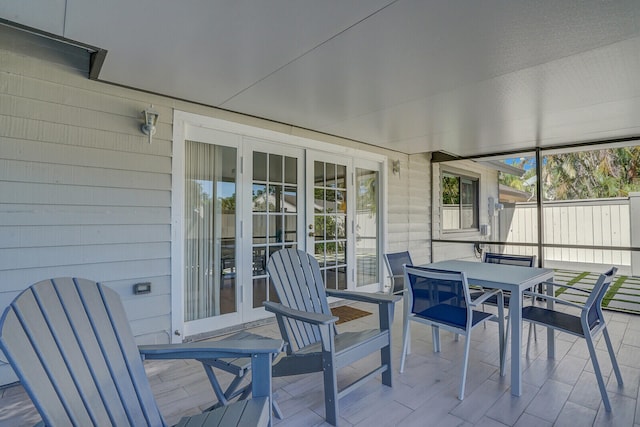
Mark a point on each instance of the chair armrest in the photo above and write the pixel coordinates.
(485, 296)
(211, 349)
(559, 285)
(555, 299)
(364, 296)
(303, 316)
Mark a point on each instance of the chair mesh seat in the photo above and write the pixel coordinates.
(545, 316)
(452, 316)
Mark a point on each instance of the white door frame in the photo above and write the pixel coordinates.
(190, 126)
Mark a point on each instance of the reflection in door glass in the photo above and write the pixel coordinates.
(210, 227)
(330, 222)
(275, 209)
(367, 262)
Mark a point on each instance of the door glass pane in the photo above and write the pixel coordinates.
(275, 205)
(259, 166)
(259, 198)
(367, 262)
(210, 227)
(330, 222)
(290, 200)
(275, 168)
(290, 170)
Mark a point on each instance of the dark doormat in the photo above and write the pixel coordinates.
(346, 313)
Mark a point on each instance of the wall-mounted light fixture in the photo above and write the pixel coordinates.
(150, 120)
(494, 207)
(395, 167)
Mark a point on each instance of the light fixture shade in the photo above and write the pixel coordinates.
(150, 120)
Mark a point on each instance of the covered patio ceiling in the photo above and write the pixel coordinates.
(466, 77)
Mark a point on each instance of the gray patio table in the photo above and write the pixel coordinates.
(515, 279)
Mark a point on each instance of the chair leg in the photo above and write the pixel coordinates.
(505, 340)
(531, 325)
(405, 343)
(435, 333)
(330, 389)
(465, 363)
(385, 358)
(612, 355)
(405, 314)
(598, 372)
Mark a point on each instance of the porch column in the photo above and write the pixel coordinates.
(634, 216)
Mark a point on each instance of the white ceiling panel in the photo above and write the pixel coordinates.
(469, 77)
(45, 15)
(203, 50)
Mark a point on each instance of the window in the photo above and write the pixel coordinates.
(459, 202)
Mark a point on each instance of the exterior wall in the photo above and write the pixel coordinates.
(83, 193)
(409, 200)
(488, 187)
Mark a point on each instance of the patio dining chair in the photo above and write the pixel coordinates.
(395, 261)
(456, 314)
(586, 322)
(506, 259)
(70, 344)
(308, 327)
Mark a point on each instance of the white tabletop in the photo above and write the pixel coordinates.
(497, 276)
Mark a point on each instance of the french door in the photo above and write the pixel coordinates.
(209, 236)
(329, 217)
(275, 217)
(238, 199)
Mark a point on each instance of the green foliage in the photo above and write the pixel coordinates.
(450, 190)
(606, 173)
(592, 174)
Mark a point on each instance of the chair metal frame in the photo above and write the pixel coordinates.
(437, 323)
(587, 324)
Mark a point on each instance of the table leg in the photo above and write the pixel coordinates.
(515, 314)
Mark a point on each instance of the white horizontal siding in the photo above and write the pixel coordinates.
(48, 215)
(17, 258)
(82, 192)
(408, 213)
(34, 172)
(28, 236)
(56, 153)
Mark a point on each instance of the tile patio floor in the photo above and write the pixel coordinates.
(560, 392)
(623, 294)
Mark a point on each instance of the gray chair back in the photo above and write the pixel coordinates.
(521, 260)
(298, 282)
(394, 262)
(70, 344)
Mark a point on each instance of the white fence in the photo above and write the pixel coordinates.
(598, 222)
